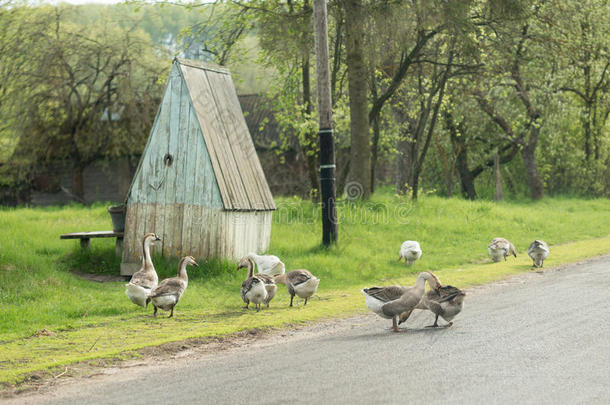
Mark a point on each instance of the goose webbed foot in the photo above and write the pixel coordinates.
(394, 325)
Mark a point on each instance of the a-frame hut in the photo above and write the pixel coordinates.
(199, 184)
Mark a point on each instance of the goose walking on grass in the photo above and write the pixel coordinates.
(538, 251)
(144, 280)
(500, 248)
(168, 293)
(391, 301)
(299, 282)
(410, 251)
(442, 300)
(267, 264)
(248, 285)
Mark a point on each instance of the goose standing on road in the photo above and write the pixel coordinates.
(144, 280)
(168, 293)
(410, 251)
(442, 300)
(538, 251)
(246, 286)
(299, 282)
(500, 248)
(267, 264)
(391, 301)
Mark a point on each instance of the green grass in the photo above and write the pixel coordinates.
(52, 318)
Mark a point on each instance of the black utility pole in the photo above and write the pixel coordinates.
(327, 147)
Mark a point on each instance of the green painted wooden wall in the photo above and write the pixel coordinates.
(189, 179)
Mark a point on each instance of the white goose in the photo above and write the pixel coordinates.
(410, 251)
(500, 248)
(538, 251)
(267, 264)
(246, 286)
(167, 294)
(144, 280)
(391, 301)
(299, 282)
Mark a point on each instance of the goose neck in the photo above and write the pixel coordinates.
(182, 270)
(146, 249)
(250, 267)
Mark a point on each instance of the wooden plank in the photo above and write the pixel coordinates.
(89, 235)
(244, 150)
(239, 139)
(229, 153)
(203, 108)
(174, 184)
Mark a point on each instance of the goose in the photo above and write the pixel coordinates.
(538, 251)
(410, 252)
(299, 282)
(500, 248)
(167, 294)
(391, 301)
(267, 264)
(144, 280)
(443, 300)
(267, 280)
(253, 289)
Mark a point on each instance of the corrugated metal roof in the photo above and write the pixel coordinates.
(238, 171)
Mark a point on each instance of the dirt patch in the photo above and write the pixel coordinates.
(44, 332)
(99, 278)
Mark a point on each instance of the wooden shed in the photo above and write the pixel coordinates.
(199, 184)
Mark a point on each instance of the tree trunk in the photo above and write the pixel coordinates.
(360, 150)
(78, 186)
(528, 153)
(461, 159)
(404, 164)
(439, 101)
(498, 196)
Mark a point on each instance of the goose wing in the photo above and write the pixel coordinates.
(265, 278)
(385, 294)
(246, 286)
(297, 277)
(169, 286)
(145, 279)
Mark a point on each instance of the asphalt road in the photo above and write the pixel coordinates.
(537, 338)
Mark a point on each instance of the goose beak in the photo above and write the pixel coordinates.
(195, 264)
(157, 238)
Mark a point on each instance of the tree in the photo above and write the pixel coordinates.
(89, 93)
(360, 149)
(579, 41)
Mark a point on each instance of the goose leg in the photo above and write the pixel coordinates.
(247, 305)
(172, 314)
(394, 325)
(155, 313)
(291, 298)
(306, 301)
(435, 325)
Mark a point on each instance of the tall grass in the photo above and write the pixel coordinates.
(40, 293)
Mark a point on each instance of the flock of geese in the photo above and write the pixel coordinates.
(391, 302)
(258, 289)
(397, 302)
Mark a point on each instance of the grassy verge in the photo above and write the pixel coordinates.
(52, 318)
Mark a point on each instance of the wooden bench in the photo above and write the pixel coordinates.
(85, 237)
